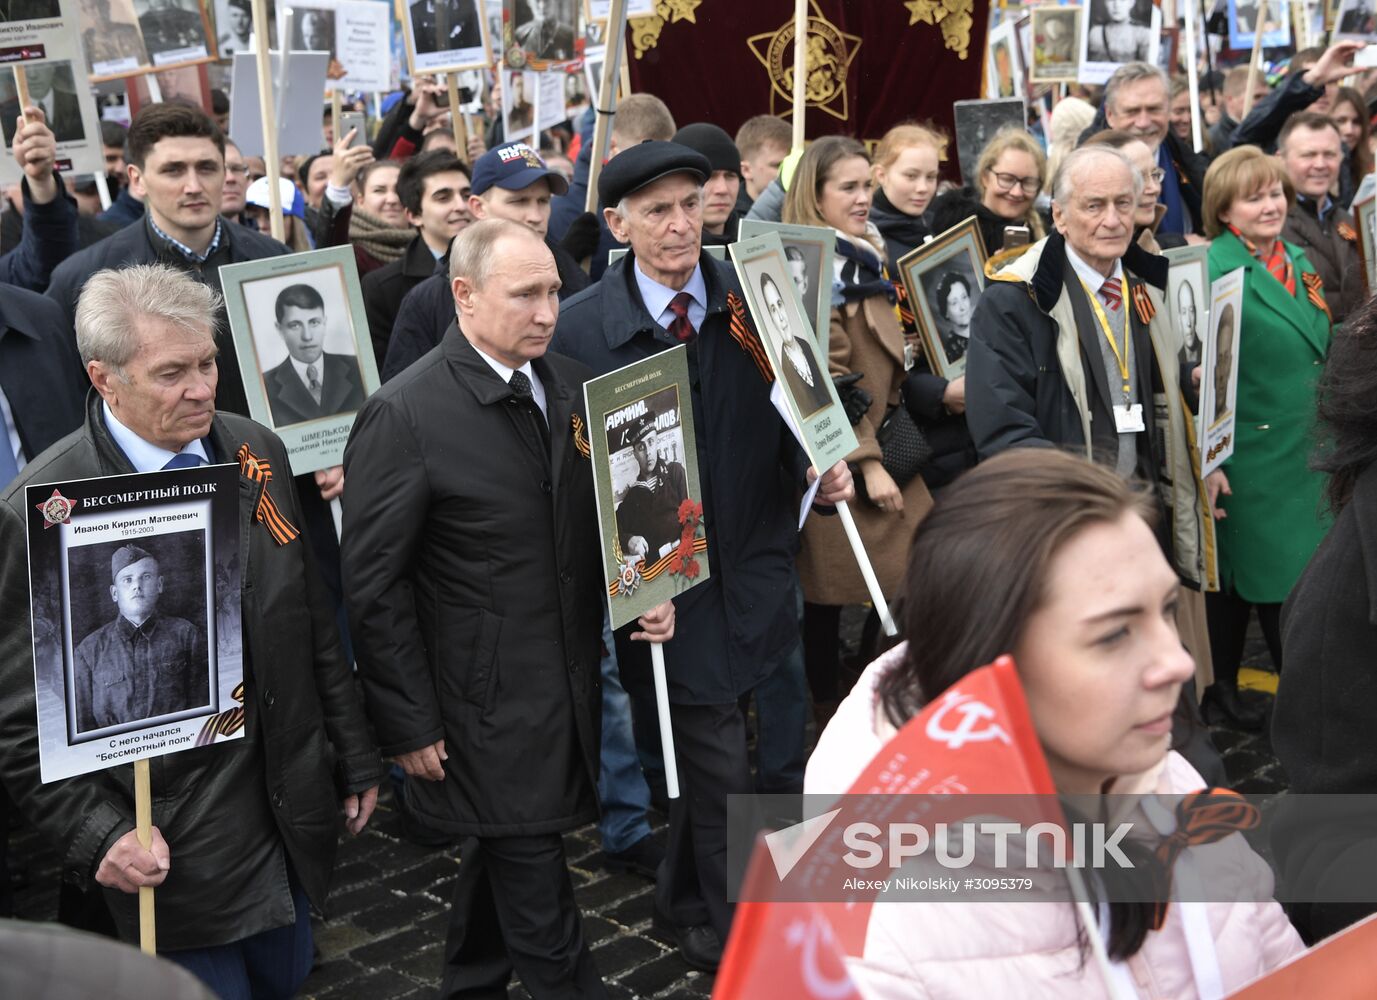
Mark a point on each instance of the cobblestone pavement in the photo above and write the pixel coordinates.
(387, 914)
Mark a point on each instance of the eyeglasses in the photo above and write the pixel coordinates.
(1007, 182)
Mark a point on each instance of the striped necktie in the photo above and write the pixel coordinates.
(1112, 294)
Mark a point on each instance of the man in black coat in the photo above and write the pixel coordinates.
(741, 624)
(475, 596)
(309, 383)
(509, 182)
(246, 832)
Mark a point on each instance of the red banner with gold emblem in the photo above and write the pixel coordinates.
(870, 65)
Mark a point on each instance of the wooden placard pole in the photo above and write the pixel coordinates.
(143, 827)
(872, 584)
(1193, 76)
(800, 70)
(21, 90)
(607, 99)
(266, 112)
(456, 117)
(1253, 59)
(657, 665)
(336, 109)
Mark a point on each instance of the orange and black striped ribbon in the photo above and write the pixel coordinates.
(1142, 305)
(226, 723)
(906, 318)
(658, 566)
(1346, 232)
(744, 334)
(580, 437)
(259, 471)
(1203, 817)
(1314, 291)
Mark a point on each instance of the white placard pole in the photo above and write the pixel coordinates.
(265, 109)
(800, 70)
(1193, 76)
(867, 570)
(657, 664)
(606, 106)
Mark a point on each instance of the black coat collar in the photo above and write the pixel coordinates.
(1148, 268)
(624, 313)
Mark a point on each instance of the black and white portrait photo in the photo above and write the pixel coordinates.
(313, 30)
(1056, 32)
(952, 291)
(976, 124)
(545, 29)
(139, 630)
(1120, 31)
(305, 345)
(234, 25)
(52, 87)
(519, 93)
(648, 477)
(446, 34)
(16, 11)
(1357, 19)
(1223, 364)
(790, 348)
(1187, 301)
(110, 36)
(173, 30)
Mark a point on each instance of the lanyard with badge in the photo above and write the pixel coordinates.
(1127, 419)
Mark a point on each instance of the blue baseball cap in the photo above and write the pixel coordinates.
(513, 166)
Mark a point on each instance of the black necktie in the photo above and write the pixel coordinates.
(525, 397)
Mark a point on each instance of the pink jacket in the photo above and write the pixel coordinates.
(1012, 949)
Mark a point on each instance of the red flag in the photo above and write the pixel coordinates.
(1342, 967)
(780, 949)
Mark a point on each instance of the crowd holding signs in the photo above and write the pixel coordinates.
(503, 429)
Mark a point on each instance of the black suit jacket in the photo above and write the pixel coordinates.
(40, 372)
(291, 402)
(384, 289)
(472, 578)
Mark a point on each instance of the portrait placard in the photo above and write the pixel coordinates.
(800, 371)
(234, 25)
(520, 88)
(1219, 372)
(809, 252)
(1056, 49)
(1188, 296)
(945, 278)
(539, 34)
(645, 474)
(59, 86)
(137, 642)
(1114, 32)
(1242, 20)
(354, 32)
(601, 10)
(1003, 75)
(549, 110)
(174, 31)
(444, 35)
(1365, 221)
(304, 349)
(32, 29)
(976, 124)
(300, 130)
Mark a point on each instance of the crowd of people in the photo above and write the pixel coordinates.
(1056, 510)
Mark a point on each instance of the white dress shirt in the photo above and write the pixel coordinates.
(505, 374)
(657, 297)
(143, 455)
(300, 367)
(1090, 277)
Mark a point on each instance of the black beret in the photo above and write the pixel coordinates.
(635, 167)
(713, 143)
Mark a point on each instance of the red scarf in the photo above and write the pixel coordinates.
(1276, 261)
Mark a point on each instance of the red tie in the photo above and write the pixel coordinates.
(1112, 294)
(681, 328)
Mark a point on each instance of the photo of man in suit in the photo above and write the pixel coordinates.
(546, 35)
(1223, 363)
(52, 88)
(795, 362)
(28, 10)
(141, 664)
(310, 383)
(445, 25)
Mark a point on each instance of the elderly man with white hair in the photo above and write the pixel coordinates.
(244, 835)
(1073, 346)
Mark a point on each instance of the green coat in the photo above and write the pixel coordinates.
(1276, 518)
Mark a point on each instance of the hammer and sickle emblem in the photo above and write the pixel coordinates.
(972, 714)
(806, 937)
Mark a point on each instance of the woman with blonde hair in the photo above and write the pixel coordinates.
(1008, 177)
(907, 167)
(1274, 518)
(831, 187)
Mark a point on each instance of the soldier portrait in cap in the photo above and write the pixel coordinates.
(143, 662)
(544, 29)
(173, 30)
(310, 382)
(648, 477)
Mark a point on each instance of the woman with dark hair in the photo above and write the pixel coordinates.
(1327, 698)
(1350, 115)
(1052, 559)
(1120, 31)
(955, 305)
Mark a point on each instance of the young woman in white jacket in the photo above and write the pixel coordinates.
(1047, 557)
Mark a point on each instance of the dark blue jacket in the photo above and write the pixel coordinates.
(40, 372)
(731, 631)
(123, 210)
(50, 237)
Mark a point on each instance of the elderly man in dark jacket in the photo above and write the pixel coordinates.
(740, 625)
(475, 596)
(245, 833)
